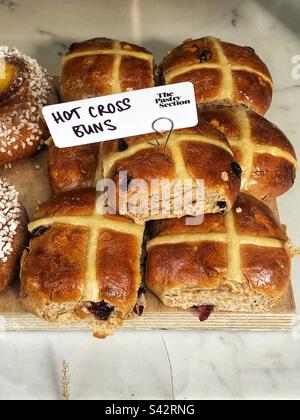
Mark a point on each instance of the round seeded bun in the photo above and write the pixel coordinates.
(13, 233)
(25, 88)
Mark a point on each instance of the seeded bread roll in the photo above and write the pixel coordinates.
(267, 158)
(222, 73)
(25, 88)
(97, 67)
(201, 153)
(82, 266)
(13, 233)
(240, 262)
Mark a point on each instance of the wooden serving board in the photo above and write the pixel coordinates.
(30, 178)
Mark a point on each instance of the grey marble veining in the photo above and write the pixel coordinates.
(142, 365)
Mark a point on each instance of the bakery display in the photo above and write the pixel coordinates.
(81, 266)
(267, 157)
(222, 73)
(92, 68)
(13, 233)
(25, 88)
(84, 267)
(239, 262)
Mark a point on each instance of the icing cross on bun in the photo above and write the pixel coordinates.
(222, 73)
(25, 88)
(13, 233)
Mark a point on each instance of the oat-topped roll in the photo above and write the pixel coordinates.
(25, 88)
(221, 73)
(13, 233)
(95, 68)
(82, 266)
(267, 158)
(102, 66)
(199, 153)
(237, 262)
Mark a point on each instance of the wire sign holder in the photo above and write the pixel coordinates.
(158, 132)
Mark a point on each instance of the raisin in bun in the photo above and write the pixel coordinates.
(221, 73)
(267, 157)
(25, 88)
(13, 233)
(82, 266)
(239, 262)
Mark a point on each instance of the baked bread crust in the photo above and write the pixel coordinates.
(237, 262)
(80, 263)
(13, 234)
(267, 157)
(221, 73)
(103, 66)
(26, 89)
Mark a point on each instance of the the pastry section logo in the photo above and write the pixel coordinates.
(170, 99)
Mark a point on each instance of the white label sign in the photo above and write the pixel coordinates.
(122, 115)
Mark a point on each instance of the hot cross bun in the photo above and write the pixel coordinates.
(103, 66)
(238, 262)
(94, 68)
(82, 266)
(267, 157)
(222, 73)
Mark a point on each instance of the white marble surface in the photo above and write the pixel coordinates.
(135, 365)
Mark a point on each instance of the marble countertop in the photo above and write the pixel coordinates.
(209, 365)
